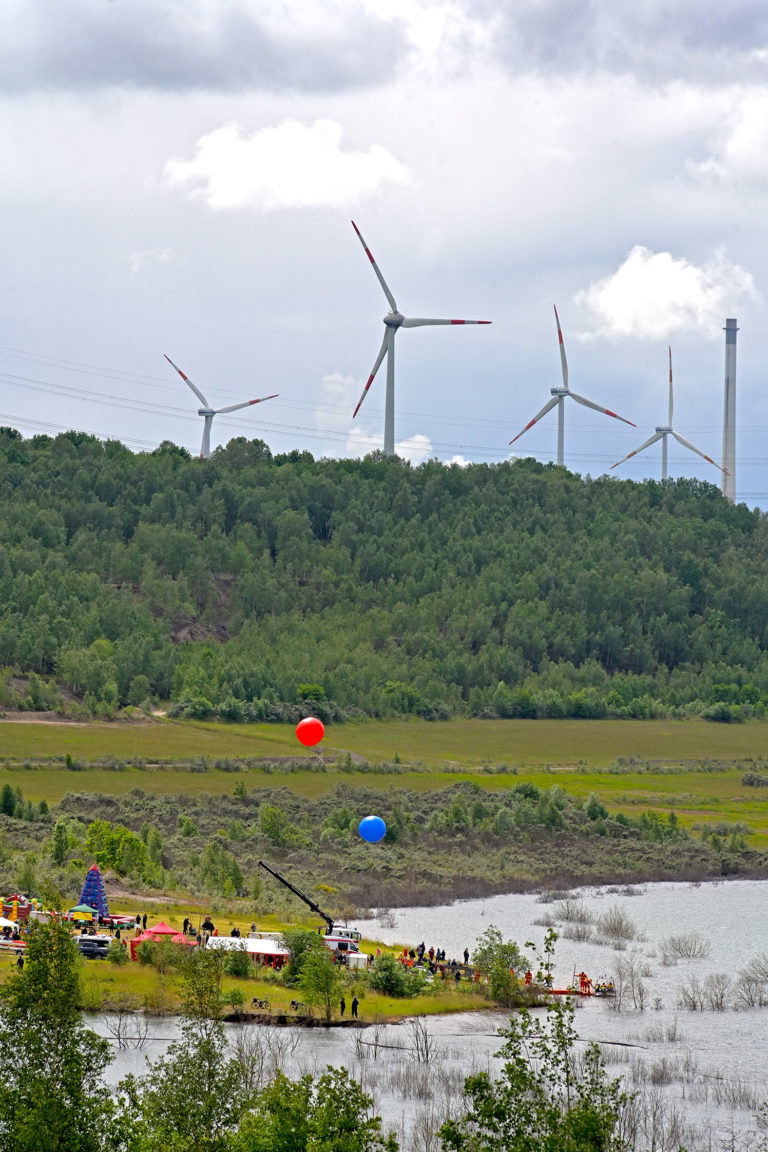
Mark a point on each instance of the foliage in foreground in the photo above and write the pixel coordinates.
(52, 1096)
(545, 1098)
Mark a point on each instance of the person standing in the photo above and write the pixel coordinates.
(466, 955)
(354, 1007)
(342, 1006)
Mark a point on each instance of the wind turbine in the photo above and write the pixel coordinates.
(558, 397)
(665, 430)
(208, 413)
(392, 321)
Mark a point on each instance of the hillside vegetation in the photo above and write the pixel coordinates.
(256, 587)
(446, 843)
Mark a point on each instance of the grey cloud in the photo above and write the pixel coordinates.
(183, 45)
(657, 40)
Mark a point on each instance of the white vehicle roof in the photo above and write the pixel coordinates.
(264, 947)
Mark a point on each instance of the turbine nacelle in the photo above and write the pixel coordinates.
(394, 319)
(661, 428)
(206, 411)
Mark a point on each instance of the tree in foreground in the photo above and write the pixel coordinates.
(547, 1098)
(330, 1114)
(194, 1096)
(52, 1098)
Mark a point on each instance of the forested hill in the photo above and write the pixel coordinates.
(249, 584)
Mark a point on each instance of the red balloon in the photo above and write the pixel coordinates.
(310, 731)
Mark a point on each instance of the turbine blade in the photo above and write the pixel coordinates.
(563, 360)
(245, 404)
(377, 365)
(646, 444)
(670, 386)
(376, 269)
(687, 444)
(547, 408)
(421, 322)
(599, 408)
(187, 380)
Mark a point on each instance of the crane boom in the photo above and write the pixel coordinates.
(328, 919)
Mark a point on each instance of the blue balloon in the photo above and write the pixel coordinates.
(372, 829)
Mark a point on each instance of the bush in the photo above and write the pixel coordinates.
(389, 977)
(117, 953)
(723, 713)
(238, 963)
(145, 953)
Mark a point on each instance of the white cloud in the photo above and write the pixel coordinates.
(654, 294)
(334, 416)
(740, 152)
(287, 166)
(415, 449)
(148, 257)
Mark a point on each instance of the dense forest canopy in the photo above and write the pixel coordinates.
(258, 586)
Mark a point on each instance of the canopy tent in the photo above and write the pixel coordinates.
(6, 923)
(81, 911)
(180, 938)
(161, 931)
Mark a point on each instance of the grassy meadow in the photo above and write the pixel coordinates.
(691, 766)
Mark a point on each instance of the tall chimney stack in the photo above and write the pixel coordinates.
(728, 482)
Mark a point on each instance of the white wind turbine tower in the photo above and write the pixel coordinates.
(558, 397)
(663, 431)
(392, 321)
(208, 413)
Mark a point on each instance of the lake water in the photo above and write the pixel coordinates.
(711, 1065)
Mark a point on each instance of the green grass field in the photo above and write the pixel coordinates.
(470, 743)
(669, 769)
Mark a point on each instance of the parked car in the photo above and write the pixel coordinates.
(93, 947)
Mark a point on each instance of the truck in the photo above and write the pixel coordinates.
(336, 936)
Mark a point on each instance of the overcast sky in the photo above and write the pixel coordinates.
(179, 176)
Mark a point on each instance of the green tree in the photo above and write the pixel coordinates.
(389, 976)
(52, 1097)
(544, 1099)
(194, 1096)
(321, 981)
(299, 942)
(503, 963)
(492, 949)
(331, 1114)
(274, 823)
(7, 800)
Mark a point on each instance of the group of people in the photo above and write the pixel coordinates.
(433, 959)
(353, 1007)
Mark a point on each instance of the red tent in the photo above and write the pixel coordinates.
(161, 931)
(180, 938)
